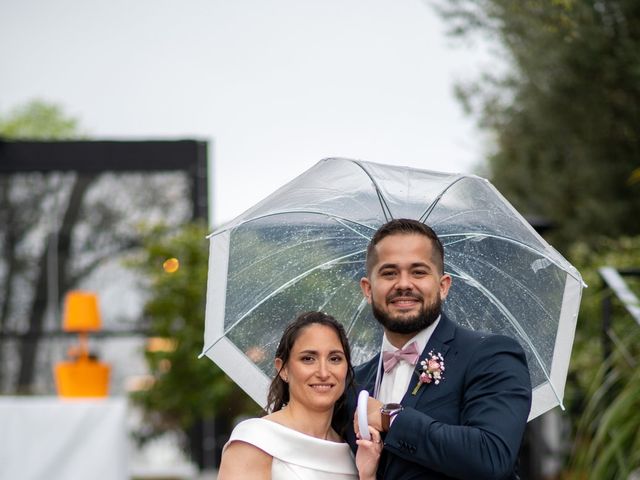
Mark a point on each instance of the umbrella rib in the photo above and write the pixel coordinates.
(386, 211)
(358, 310)
(287, 284)
(341, 221)
(281, 212)
(327, 300)
(517, 282)
(430, 208)
(354, 317)
(459, 214)
(466, 236)
(505, 311)
(289, 247)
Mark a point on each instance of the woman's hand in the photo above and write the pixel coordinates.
(368, 455)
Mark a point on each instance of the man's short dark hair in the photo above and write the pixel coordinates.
(405, 226)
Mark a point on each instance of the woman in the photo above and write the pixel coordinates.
(301, 438)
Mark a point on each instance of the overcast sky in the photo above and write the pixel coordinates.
(273, 85)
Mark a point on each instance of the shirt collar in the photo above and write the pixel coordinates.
(421, 338)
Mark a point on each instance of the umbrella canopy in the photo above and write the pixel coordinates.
(303, 248)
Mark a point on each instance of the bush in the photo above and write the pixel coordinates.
(184, 389)
(604, 394)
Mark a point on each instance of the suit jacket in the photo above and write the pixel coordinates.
(470, 426)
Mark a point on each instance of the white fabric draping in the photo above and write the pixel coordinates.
(60, 439)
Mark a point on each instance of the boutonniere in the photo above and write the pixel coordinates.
(431, 370)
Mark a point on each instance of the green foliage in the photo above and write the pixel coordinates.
(603, 396)
(185, 388)
(38, 120)
(607, 444)
(565, 116)
(621, 254)
(565, 119)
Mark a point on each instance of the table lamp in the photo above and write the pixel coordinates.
(82, 375)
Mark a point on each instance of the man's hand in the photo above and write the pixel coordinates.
(374, 418)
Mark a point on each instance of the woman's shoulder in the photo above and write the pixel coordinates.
(243, 457)
(252, 430)
(251, 423)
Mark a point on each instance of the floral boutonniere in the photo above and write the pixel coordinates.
(431, 369)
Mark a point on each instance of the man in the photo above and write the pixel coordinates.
(460, 410)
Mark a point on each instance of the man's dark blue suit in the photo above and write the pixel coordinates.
(470, 426)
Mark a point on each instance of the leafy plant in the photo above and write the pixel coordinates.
(607, 444)
(604, 394)
(184, 388)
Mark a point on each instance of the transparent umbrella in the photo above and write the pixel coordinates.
(303, 248)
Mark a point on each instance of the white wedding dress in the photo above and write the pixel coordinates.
(297, 456)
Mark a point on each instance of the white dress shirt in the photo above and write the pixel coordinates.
(395, 383)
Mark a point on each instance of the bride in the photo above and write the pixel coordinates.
(302, 437)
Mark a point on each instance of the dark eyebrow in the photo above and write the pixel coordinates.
(421, 264)
(387, 265)
(413, 265)
(315, 352)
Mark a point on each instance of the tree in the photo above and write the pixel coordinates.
(565, 116)
(184, 388)
(38, 120)
(603, 394)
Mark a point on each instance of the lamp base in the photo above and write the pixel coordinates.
(83, 377)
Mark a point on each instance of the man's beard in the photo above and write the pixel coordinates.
(425, 317)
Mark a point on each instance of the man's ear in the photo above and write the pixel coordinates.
(445, 284)
(365, 286)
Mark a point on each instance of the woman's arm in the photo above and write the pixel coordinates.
(242, 460)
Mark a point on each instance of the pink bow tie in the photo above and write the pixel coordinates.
(409, 354)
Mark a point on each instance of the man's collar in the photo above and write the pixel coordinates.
(421, 338)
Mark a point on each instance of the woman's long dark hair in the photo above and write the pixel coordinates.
(278, 395)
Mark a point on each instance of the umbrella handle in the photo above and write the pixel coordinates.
(363, 424)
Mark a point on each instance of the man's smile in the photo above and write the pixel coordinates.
(404, 301)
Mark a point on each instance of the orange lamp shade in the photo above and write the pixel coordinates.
(81, 313)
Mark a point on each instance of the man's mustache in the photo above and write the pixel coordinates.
(405, 294)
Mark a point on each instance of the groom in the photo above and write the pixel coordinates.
(452, 402)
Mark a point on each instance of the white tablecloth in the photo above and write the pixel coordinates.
(54, 439)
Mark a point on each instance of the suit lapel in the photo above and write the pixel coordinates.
(438, 343)
(366, 376)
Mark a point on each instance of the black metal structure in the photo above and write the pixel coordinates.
(89, 158)
(94, 157)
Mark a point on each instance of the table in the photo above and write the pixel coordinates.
(60, 439)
